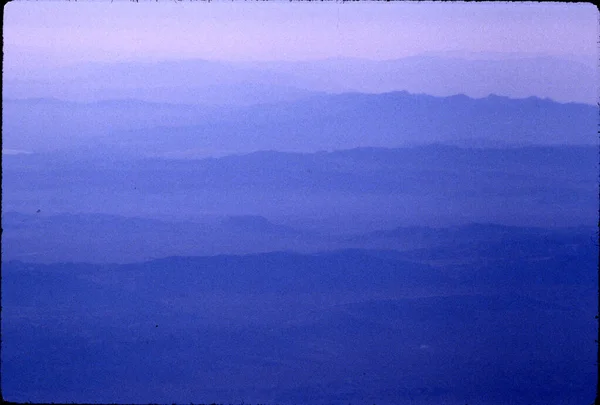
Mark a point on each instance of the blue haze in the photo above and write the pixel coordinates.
(386, 239)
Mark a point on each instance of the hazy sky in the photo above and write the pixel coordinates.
(50, 33)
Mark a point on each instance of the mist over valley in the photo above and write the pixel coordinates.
(327, 203)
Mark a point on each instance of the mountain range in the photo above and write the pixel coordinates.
(197, 81)
(420, 230)
(320, 122)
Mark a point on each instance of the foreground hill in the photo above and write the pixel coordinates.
(455, 324)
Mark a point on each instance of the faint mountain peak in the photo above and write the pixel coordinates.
(37, 100)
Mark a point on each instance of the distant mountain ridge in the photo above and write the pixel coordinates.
(317, 122)
(440, 74)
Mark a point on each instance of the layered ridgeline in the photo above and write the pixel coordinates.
(478, 314)
(319, 122)
(308, 201)
(310, 248)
